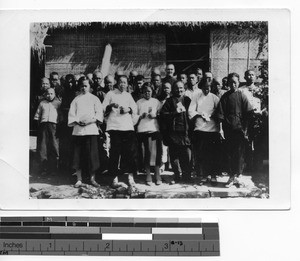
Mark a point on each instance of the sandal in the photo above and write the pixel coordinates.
(231, 181)
(78, 184)
(205, 180)
(149, 183)
(131, 181)
(214, 181)
(95, 184)
(158, 182)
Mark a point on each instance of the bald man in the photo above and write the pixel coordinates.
(170, 74)
(109, 83)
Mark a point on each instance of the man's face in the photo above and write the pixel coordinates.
(122, 84)
(54, 80)
(139, 84)
(50, 94)
(208, 77)
(183, 78)
(85, 87)
(132, 75)
(109, 83)
(45, 84)
(233, 83)
(250, 77)
(69, 83)
(170, 70)
(199, 74)
(147, 93)
(97, 78)
(206, 89)
(167, 88)
(192, 80)
(156, 81)
(179, 89)
(224, 82)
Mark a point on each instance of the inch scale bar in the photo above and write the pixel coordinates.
(103, 236)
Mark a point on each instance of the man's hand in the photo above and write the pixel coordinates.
(144, 115)
(246, 136)
(114, 105)
(222, 134)
(124, 110)
(180, 109)
(81, 123)
(151, 115)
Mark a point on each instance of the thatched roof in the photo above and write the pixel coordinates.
(147, 25)
(39, 30)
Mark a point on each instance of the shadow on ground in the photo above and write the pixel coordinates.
(60, 185)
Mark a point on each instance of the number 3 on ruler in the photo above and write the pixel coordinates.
(166, 245)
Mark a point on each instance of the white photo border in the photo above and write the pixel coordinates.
(14, 109)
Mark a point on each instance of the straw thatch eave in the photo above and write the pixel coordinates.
(39, 31)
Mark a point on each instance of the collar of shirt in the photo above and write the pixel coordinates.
(117, 91)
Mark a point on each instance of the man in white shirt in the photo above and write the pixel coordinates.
(206, 133)
(192, 86)
(85, 113)
(120, 110)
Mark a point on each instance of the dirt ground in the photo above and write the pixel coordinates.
(60, 184)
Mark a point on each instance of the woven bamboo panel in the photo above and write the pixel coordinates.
(219, 66)
(246, 51)
(82, 51)
(258, 46)
(238, 66)
(219, 43)
(238, 47)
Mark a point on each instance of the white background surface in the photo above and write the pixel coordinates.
(245, 235)
(15, 53)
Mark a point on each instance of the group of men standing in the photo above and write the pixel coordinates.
(209, 126)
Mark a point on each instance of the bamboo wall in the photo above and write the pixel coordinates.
(71, 51)
(236, 51)
(81, 51)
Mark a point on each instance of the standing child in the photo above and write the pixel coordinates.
(48, 115)
(119, 109)
(175, 128)
(84, 115)
(148, 131)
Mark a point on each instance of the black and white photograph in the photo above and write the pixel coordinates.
(161, 110)
(149, 110)
(121, 110)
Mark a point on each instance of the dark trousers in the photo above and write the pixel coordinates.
(65, 146)
(180, 156)
(47, 145)
(206, 145)
(235, 148)
(123, 150)
(86, 156)
(103, 155)
(145, 139)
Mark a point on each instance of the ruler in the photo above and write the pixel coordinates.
(108, 236)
